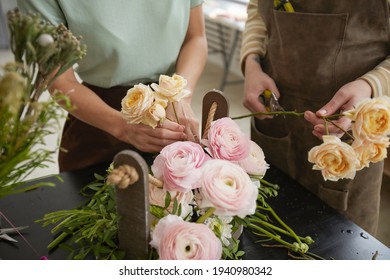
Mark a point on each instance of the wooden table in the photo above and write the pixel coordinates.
(335, 236)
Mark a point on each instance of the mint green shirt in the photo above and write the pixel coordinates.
(128, 41)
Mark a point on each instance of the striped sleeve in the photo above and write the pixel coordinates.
(254, 36)
(379, 78)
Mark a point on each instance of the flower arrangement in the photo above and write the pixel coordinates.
(337, 159)
(201, 194)
(370, 130)
(41, 53)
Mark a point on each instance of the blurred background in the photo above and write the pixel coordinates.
(225, 21)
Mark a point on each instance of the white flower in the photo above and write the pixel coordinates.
(45, 40)
(254, 163)
(221, 226)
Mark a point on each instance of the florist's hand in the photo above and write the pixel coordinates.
(186, 119)
(344, 99)
(148, 139)
(256, 81)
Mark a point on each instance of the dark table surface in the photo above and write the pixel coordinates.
(335, 236)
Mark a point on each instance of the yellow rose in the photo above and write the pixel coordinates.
(336, 159)
(136, 103)
(171, 88)
(371, 119)
(370, 151)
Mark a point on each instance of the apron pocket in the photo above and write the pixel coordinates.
(337, 199)
(277, 150)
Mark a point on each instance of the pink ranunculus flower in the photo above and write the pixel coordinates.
(336, 159)
(175, 239)
(179, 165)
(226, 187)
(254, 163)
(227, 141)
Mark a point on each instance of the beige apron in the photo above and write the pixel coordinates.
(84, 145)
(310, 54)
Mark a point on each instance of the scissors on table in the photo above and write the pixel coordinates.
(5, 231)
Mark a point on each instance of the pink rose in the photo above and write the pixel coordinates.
(227, 141)
(228, 188)
(179, 166)
(254, 163)
(175, 239)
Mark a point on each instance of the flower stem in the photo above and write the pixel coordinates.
(174, 110)
(292, 113)
(208, 213)
(292, 233)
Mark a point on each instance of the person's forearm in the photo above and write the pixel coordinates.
(254, 35)
(87, 106)
(192, 60)
(193, 54)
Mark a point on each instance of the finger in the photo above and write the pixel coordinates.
(313, 118)
(332, 106)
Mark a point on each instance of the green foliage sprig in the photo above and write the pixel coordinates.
(42, 52)
(91, 229)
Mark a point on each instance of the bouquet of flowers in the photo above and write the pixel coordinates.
(370, 130)
(42, 52)
(337, 159)
(201, 195)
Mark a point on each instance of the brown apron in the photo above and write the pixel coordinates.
(83, 145)
(310, 54)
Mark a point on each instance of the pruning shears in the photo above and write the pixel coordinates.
(270, 101)
(283, 5)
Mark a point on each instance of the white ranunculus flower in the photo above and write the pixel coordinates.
(254, 163)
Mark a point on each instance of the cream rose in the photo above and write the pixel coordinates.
(226, 187)
(154, 115)
(368, 152)
(371, 119)
(175, 239)
(171, 88)
(137, 103)
(336, 159)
